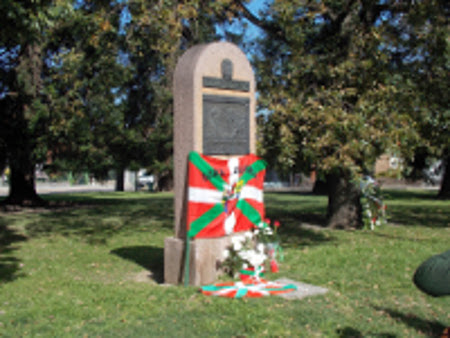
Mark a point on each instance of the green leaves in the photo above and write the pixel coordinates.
(331, 85)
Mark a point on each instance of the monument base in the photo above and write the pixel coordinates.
(173, 260)
(205, 257)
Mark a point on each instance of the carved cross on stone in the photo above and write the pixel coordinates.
(226, 118)
(226, 82)
(227, 69)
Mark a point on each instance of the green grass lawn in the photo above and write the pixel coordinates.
(95, 268)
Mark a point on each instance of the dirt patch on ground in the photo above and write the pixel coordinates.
(144, 276)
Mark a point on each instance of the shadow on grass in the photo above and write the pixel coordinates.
(298, 236)
(416, 208)
(302, 217)
(148, 257)
(423, 326)
(404, 194)
(405, 208)
(97, 219)
(400, 237)
(420, 216)
(9, 265)
(297, 207)
(347, 332)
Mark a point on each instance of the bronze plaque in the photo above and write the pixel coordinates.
(226, 125)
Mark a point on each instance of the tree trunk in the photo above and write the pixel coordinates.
(120, 183)
(22, 189)
(165, 183)
(320, 187)
(344, 206)
(18, 139)
(444, 191)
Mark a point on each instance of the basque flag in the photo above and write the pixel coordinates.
(253, 290)
(225, 195)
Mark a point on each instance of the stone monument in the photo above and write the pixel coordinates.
(214, 114)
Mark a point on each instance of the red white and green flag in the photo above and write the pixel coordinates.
(251, 289)
(225, 195)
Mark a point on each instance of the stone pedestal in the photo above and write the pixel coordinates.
(205, 259)
(173, 260)
(214, 114)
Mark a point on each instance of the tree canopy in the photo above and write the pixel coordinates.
(87, 85)
(340, 81)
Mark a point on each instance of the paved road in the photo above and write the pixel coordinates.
(47, 188)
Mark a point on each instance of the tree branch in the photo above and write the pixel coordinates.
(336, 22)
(269, 27)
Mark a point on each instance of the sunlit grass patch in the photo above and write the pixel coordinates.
(94, 267)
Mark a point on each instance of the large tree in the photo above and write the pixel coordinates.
(328, 75)
(423, 51)
(21, 51)
(88, 84)
(84, 90)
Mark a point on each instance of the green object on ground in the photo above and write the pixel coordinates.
(433, 275)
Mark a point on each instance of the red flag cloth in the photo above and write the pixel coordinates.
(225, 195)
